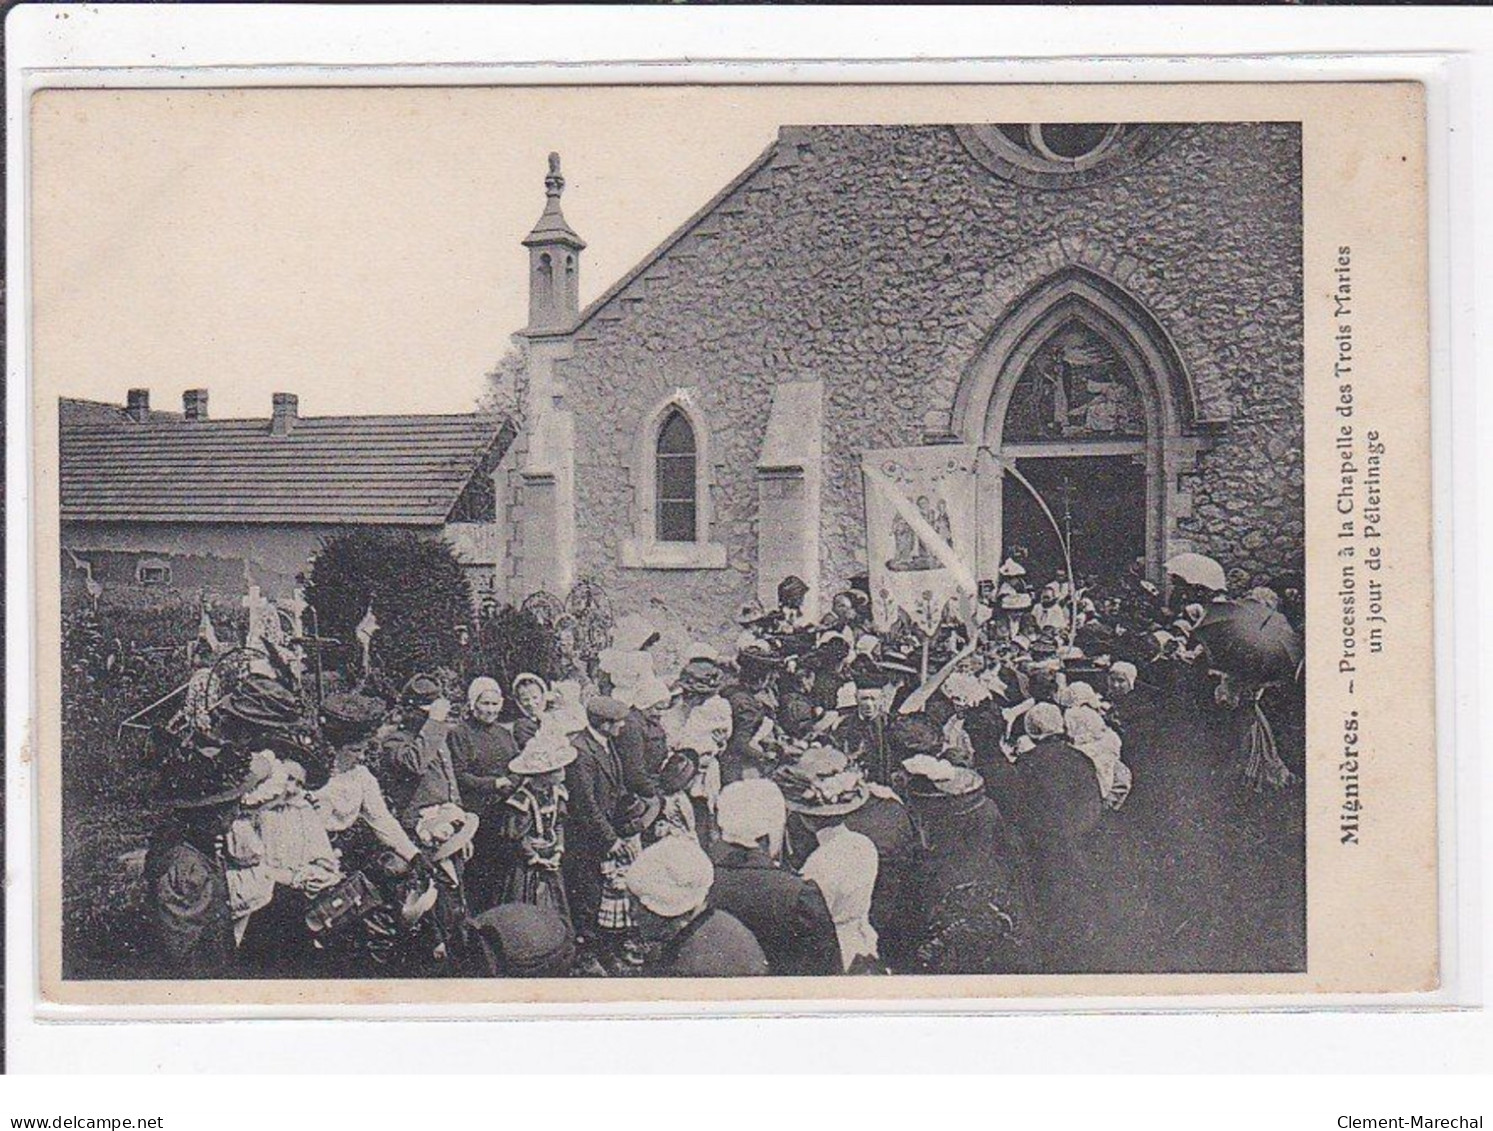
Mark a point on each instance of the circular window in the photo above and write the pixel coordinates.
(1071, 141)
(1061, 154)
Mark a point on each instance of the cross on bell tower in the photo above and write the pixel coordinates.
(554, 261)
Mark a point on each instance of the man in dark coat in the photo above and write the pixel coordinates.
(415, 766)
(670, 883)
(597, 794)
(642, 743)
(786, 913)
(862, 734)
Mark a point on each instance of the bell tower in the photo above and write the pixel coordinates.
(554, 261)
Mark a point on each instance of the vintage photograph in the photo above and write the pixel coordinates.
(830, 549)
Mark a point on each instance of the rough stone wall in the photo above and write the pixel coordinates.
(878, 259)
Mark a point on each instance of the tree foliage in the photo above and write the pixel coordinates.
(502, 390)
(417, 590)
(510, 641)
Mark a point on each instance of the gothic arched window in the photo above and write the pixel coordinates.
(676, 502)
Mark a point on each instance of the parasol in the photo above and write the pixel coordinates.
(1250, 640)
(1198, 569)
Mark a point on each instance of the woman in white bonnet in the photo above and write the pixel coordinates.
(844, 867)
(1088, 731)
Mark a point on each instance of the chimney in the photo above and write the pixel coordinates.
(194, 404)
(286, 410)
(137, 405)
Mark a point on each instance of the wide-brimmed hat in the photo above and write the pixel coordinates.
(867, 673)
(823, 782)
(649, 693)
(676, 771)
(1015, 601)
(549, 749)
(701, 677)
(263, 702)
(928, 776)
(1012, 568)
(637, 814)
(347, 716)
(198, 776)
(625, 668)
(449, 830)
(420, 691)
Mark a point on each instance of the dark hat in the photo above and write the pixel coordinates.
(752, 614)
(1095, 638)
(947, 781)
(827, 655)
(792, 590)
(1046, 643)
(915, 734)
(421, 691)
(861, 583)
(263, 702)
(866, 673)
(605, 709)
(198, 776)
(637, 814)
(758, 660)
(701, 677)
(524, 940)
(347, 716)
(676, 771)
(797, 714)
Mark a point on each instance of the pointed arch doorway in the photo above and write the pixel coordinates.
(1080, 391)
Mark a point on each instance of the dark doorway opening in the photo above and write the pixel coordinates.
(1100, 501)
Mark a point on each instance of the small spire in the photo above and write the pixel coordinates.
(552, 227)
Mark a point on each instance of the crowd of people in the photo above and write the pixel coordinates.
(823, 799)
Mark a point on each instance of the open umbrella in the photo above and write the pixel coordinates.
(1250, 640)
(1198, 569)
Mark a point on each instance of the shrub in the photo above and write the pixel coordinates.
(417, 590)
(510, 641)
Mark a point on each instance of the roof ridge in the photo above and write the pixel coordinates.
(761, 161)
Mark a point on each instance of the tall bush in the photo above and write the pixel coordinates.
(510, 641)
(417, 589)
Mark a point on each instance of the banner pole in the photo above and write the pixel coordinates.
(1010, 466)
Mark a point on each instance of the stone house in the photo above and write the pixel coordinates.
(158, 502)
(1114, 309)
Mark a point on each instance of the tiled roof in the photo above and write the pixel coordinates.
(398, 470)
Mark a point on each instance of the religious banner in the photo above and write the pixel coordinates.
(920, 531)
